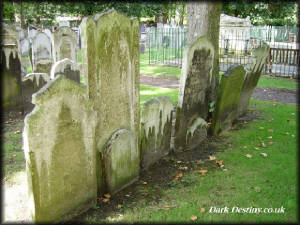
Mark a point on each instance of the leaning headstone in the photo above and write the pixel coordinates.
(10, 66)
(253, 72)
(67, 68)
(31, 83)
(58, 141)
(25, 47)
(41, 53)
(110, 48)
(64, 44)
(155, 134)
(227, 101)
(193, 105)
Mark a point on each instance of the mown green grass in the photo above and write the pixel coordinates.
(269, 81)
(261, 182)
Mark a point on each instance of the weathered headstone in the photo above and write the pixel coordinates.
(228, 96)
(31, 83)
(193, 103)
(67, 68)
(64, 44)
(253, 72)
(25, 47)
(58, 141)
(110, 48)
(10, 66)
(155, 134)
(41, 53)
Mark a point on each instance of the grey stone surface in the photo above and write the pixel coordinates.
(10, 66)
(253, 72)
(41, 53)
(25, 47)
(229, 91)
(110, 53)
(67, 68)
(58, 142)
(155, 134)
(64, 44)
(193, 102)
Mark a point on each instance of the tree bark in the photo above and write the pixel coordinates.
(204, 20)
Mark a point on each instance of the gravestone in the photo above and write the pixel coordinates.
(155, 134)
(31, 83)
(253, 72)
(110, 53)
(59, 148)
(64, 44)
(193, 103)
(227, 101)
(10, 67)
(25, 47)
(41, 53)
(67, 68)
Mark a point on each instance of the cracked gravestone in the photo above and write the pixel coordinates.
(229, 91)
(193, 103)
(155, 133)
(253, 72)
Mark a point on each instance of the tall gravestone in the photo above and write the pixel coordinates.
(67, 68)
(10, 66)
(64, 44)
(155, 134)
(41, 53)
(253, 72)
(193, 102)
(227, 99)
(59, 147)
(110, 49)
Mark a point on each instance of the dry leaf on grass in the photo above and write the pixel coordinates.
(270, 143)
(179, 175)
(194, 218)
(107, 195)
(212, 157)
(249, 156)
(264, 154)
(144, 182)
(202, 171)
(270, 137)
(219, 162)
(261, 128)
(202, 210)
(270, 130)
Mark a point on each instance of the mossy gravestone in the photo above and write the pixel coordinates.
(58, 141)
(110, 53)
(253, 72)
(227, 99)
(10, 67)
(156, 124)
(66, 67)
(64, 44)
(193, 103)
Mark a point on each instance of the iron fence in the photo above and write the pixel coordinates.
(165, 46)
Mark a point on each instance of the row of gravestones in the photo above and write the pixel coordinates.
(97, 128)
(15, 91)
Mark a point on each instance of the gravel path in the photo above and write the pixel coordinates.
(262, 93)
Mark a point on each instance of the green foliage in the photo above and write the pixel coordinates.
(8, 10)
(264, 13)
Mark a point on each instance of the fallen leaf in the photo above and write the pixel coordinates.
(144, 182)
(293, 114)
(287, 133)
(249, 156)
(257, 189)
(264, 154)
(119, 206)
(105, 199)
(274, 104)
(224, 169)
(202, 210)
(293, 135)
(219, 162)
(202, 171)
(261, 128)
(179, 175)
(263, 144)
(245, 122)
(270, 130)
(17, 132)
(179, 162)
(267, 180)
(107, 195)
(127, 195)
(270, 121)
(288, 121)
(245, 146)
(256, 148)
(270, 143)
(270, 137)
(182, 167)
(194, 218)
(212, 157)
(165, 207)
(175, 179)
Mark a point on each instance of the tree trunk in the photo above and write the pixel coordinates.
(204, 20)
(181, 17)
